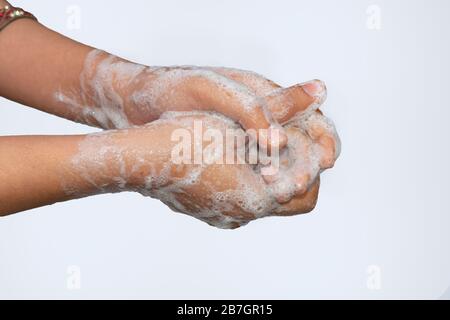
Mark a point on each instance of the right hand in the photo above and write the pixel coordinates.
(223, 195)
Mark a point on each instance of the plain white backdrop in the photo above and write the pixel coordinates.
(381, 228)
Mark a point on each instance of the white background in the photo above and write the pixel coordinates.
(385, 204)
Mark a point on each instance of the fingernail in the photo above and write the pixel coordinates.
(268, 177)
(301, 184)
(283, 198)
(300, 188)
(328, 151)
(314, 88)
(283, 189)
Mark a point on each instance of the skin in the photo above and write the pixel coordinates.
(40, 170)
(61, 61)
(62, 68)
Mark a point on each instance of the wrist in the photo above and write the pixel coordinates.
(119, 160)
(107, 84)
(95, 166)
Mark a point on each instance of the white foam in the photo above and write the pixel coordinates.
(105, 164)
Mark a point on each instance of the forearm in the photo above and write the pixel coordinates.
(47, 71)
(36, 170)
(38, 62)
(41, 170)
(50, 72)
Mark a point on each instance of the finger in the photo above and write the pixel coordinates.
(300, 204)
(323, 132)
(297, 168)
(305, 167)
(286, 103)
(257, 83)
(225, 96)
(260, 87)
(283, 103)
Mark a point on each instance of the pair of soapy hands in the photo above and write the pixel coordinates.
(226, 195)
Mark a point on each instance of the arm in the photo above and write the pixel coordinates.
(48, 71)
(81, 83)
(41, 170)
(31, 171)
(36, 62)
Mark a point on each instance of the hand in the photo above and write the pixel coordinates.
(296, 107)
(116, 93)
(313, 146)
(223, 195)
(128, 93)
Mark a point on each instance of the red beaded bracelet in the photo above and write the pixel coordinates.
(9, 13)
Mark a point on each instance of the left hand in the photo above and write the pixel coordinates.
(118, 93)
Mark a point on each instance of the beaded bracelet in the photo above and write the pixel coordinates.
(9, 14)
